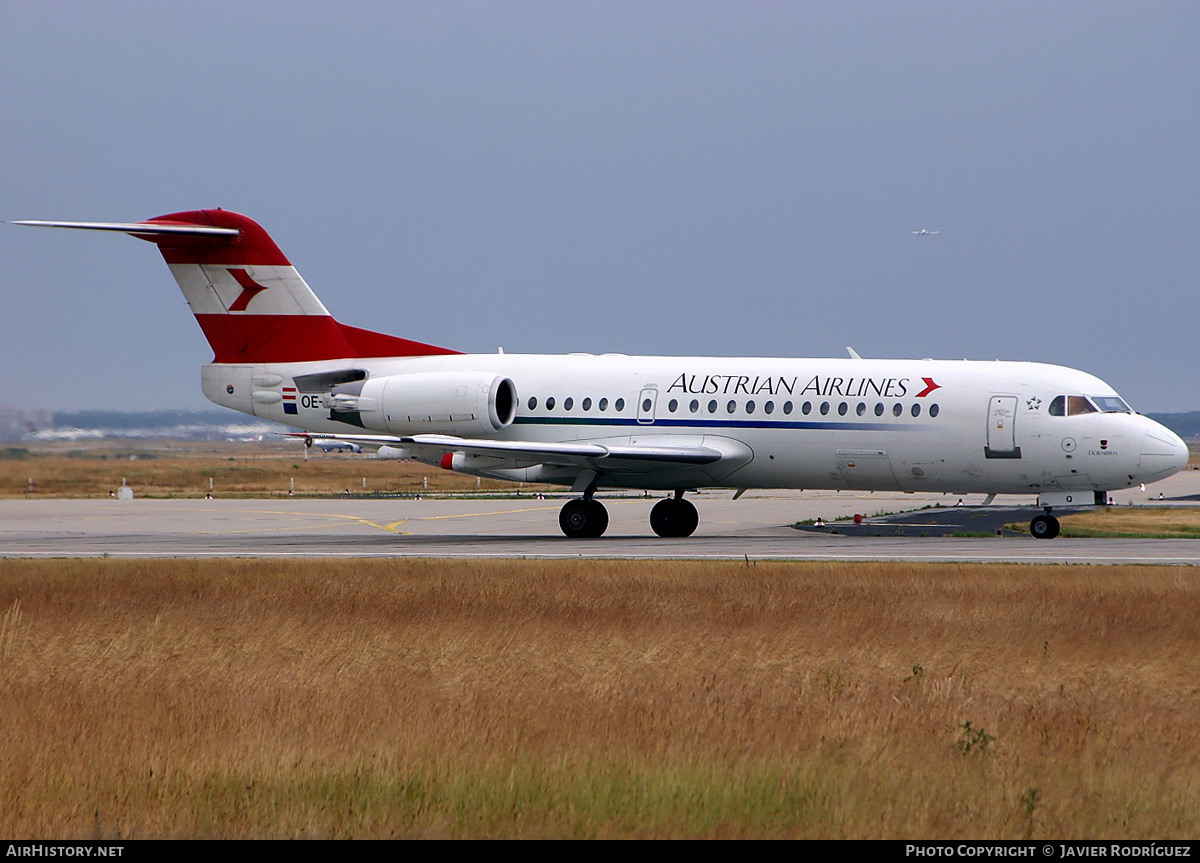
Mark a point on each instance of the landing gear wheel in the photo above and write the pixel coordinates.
(1044, 527)
(583, 519)
(671, 517)
(597, 518)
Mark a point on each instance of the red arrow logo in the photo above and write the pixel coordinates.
(930, 386)
(250, 290)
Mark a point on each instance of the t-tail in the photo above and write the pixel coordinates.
(247, 297)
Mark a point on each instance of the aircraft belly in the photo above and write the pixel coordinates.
(664, 480)
(1074, 482)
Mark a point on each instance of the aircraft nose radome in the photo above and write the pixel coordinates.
(1163, 452)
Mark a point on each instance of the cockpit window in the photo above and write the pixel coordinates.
(1111, 404)
(1077, 405)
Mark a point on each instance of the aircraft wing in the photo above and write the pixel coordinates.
(581, 454)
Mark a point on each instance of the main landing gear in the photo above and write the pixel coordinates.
(1044, 526)
(674, 516)
(583, 518)
(586, 518)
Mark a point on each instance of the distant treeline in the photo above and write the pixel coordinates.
(1184, 425)
(143, 419)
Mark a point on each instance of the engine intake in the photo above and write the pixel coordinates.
(458, 403)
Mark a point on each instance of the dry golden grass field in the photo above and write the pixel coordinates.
(246, 469)
(368, 698)
(1143, 521)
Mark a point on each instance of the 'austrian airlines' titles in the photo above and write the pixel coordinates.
(818, 385)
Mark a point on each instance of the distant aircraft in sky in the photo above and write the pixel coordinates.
(925, 233)
(673, 424)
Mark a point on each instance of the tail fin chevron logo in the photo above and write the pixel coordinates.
(250, 289)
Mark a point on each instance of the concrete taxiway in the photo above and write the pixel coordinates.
(757, 526)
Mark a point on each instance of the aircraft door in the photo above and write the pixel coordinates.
(646, 404)
(869, 470)
(1001, 428)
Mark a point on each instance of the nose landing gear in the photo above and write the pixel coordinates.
(1044, 526)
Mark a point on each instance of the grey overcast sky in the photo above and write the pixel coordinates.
(643, 177)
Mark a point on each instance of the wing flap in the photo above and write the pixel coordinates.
(581, 454)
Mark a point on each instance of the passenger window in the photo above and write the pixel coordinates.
(587, 404)
(646, 405)
(619, 404)
(861, 409)
(824, 408)
(532, 402)
(805, 408)
(934, 410)
(750, 406)
(712, 406)
(842, 408)
(694, 406)
(879, 409)
(897, 409)
(731, 407)
(569, 403)
(550, 403)
(769, 408)
(787, 407)
(603, 404)
(916, 410)
(672, 405)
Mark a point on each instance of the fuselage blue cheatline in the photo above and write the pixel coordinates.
(666, 423)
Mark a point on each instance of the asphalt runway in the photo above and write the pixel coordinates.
(758, 527)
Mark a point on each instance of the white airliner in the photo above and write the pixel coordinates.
(925, 233)
(666, 423)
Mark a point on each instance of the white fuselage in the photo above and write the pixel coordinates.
(876, 425)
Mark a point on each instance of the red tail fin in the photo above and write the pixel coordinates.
(251, 303)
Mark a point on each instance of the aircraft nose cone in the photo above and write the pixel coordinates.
(1163, 452)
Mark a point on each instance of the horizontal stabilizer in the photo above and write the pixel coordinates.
(138, 228)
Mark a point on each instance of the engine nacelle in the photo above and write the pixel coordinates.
(458, 403)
